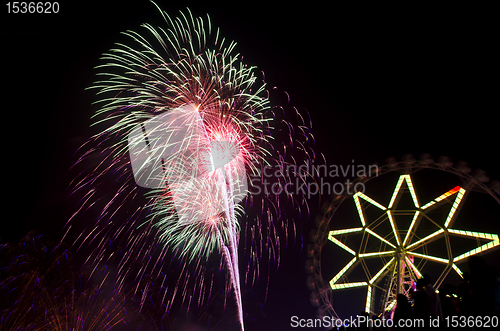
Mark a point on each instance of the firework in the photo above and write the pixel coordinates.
(185, 128)
(39, 291)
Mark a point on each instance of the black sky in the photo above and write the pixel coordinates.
(377, 81)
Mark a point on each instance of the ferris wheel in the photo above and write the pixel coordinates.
(393, 225)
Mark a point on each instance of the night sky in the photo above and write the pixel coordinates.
(378, 82)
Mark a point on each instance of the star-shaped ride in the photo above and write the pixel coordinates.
(399, 248)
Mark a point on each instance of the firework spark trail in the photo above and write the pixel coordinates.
(185, 74)
(232, 255)
(39, 290)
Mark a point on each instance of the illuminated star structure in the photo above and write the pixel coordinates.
(399, 248)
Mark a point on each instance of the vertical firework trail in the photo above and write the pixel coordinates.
(185, 133)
